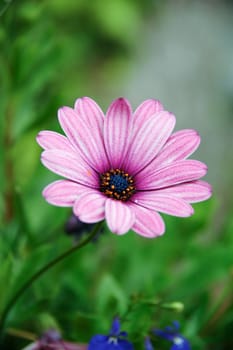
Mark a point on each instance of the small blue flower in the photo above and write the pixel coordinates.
(77, 229)
(171, 333)
(115, 340)
(148, 345)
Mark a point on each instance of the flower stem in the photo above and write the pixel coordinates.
(41, 271)
(21, 334)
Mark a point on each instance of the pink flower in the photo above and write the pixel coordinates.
(51, 340)
(124, 167)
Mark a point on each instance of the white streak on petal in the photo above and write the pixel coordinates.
(67, 164)
(164, 203)
(89, 110)
(192, 192)
(53, 140)
(179, 146)
(149, 140)
(119, 216)
(90, 207)
(117, 126)
(145, 110)
(148, 223)
(86, 137)
(63, 192)
(172, 174)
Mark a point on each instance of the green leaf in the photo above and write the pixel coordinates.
(110, 296)
(5, 279)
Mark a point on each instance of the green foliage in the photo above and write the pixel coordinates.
(110, 296)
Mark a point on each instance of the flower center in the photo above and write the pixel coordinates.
(117, 184)
(178, 340)
(112, 340)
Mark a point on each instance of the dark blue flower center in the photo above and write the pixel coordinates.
(117, 184)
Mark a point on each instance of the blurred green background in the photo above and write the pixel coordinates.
(52, 52)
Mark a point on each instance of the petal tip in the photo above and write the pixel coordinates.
(210, 191)
(80, 100)
(61, 112)
(61, 109)
(187, 212)
(196, 139)
(44, 193)
(43, 155)
(118, 231)
(121, 101)
(155, 105)
(205, 168)
(172, 116)
(65, 110)
(196, 134)
(201, 166)
(169, 116)
(38, 138)
(161, 231)
(191, 212)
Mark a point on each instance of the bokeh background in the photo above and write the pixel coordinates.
(52, 52)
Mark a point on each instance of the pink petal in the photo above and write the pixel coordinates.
(90, 112)
(119, 216)
(148, 141)
(172, 174)
(87, 138)
(179, 146)
(117, 127)
(63, 192)
(163, 202)
(146, 110)
(90, 207)
(69, 165)
(192, 192)
(52, 140)
(148, 223)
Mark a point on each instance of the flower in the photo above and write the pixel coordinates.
(115, 340)
(124, 167)
(171, 333)
(51, 340)
(76, 228)
(147, 344)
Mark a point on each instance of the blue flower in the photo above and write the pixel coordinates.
(76, 228)
(148, 345)
(115, 340)
(171, 333)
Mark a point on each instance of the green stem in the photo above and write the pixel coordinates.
(5, 7)
(41, 271)
(21, 334)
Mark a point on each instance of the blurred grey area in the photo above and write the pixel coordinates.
(185, 59)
